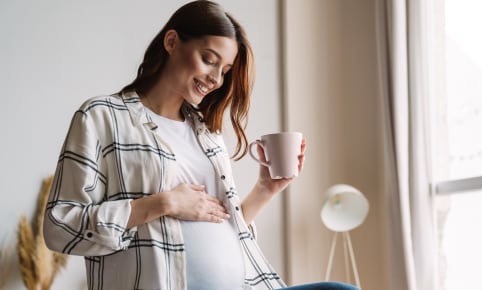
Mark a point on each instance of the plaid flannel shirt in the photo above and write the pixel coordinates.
(112, 155)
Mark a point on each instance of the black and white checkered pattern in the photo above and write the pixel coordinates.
(111, 155)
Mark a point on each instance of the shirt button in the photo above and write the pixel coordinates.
(89, 235)
(223, 177)
(237, 208)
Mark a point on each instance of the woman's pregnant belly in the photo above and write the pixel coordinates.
(214, 260)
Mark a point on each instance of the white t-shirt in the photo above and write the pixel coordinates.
(214, 258)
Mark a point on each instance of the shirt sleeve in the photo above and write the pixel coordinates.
(80, 219)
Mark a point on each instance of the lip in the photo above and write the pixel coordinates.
(201, 87)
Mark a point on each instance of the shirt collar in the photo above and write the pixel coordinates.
(134, 105)
(139, 114)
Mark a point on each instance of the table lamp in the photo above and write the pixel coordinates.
(344, 209)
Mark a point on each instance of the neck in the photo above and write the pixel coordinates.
(164, 104)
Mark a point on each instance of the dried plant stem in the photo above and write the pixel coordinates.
(42, 203)
(25, 248)
(38, 265)
(4, 268)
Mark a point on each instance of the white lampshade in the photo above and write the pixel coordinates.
(344, 208)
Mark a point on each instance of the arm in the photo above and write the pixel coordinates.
(266, 188)
(79, 218)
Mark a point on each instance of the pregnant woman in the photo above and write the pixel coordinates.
(143, 187)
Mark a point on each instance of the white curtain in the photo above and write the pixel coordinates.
(404, 101)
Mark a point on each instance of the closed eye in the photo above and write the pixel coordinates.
(208, 61)
(211, 57)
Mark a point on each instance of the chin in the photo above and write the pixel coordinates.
(195, 101)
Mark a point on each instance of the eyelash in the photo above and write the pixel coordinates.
(208, 62)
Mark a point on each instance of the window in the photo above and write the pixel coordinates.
(457, 142)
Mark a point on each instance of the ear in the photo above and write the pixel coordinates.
(170, 40)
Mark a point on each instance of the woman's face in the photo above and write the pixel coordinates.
(197, 67)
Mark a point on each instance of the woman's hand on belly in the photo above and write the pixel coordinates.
(191, 203)
(185, 202)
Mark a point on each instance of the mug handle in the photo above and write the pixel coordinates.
(257, 142)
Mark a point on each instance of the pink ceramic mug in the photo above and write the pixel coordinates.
(281, 151)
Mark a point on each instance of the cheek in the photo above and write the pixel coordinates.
(193, 64)
(197, 66)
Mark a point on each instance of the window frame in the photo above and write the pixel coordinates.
(456, 186)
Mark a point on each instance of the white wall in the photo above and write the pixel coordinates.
(54, 54)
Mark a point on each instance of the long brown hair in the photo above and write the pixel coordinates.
(196, 20)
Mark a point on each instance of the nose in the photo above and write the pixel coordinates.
(215, 76)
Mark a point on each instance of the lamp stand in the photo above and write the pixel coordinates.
(348, 253)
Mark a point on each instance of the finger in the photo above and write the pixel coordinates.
(220, 208)
(300, 166)
(215, 204)
(214, 219)
(197, 187)
(301, 162)
(301, 158)
(217, 216)
(262, 157)
(261, 153)
(303, 147)
(214, 200)
(221, 214)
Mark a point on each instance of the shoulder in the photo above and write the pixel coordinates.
(104, 102)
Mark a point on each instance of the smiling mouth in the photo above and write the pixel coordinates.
(201, 87)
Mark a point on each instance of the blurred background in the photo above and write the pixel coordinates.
(319, 71)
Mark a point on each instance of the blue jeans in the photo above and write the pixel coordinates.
(323, 286)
